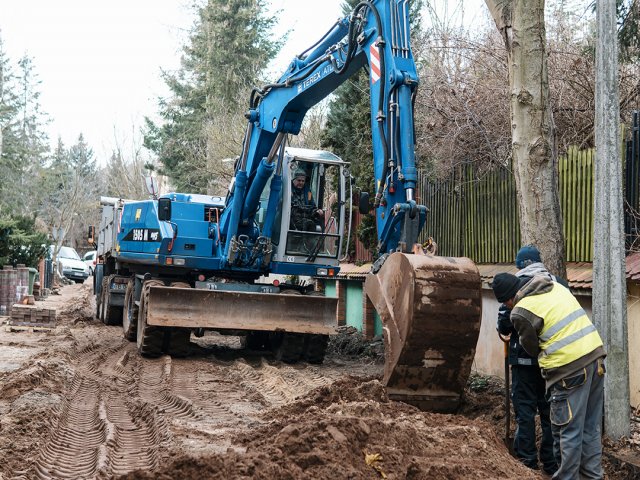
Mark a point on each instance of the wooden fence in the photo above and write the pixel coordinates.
(475, 214)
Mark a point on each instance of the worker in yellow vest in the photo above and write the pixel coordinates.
(553, 327)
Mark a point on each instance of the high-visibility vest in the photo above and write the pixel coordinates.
(567, 333)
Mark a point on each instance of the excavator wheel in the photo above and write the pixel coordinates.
(130, 313)
(430, 308)
(287, 347)
(315, 348)
(99, 302)
(148, 338)
(257, 340)
(111, 315)
(103, 300)
(177, 340)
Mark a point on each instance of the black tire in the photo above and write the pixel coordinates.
(103, 299)
(287, 347)
(177, 340)
(97, 289)
(111, 314)
(97, 280)
(257, 340)
(130, 313)
(149, 339)
(178, 344)
(315, 348)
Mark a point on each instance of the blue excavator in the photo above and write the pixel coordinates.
(185, 263)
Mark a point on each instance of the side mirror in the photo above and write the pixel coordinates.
(164, 209)
(91, 236)
(363, 203)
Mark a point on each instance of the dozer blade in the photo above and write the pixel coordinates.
(431, 309)
(217, 309)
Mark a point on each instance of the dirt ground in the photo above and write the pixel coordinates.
(78, 402)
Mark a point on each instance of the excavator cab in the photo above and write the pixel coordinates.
(310, 219)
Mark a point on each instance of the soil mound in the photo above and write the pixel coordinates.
(352, 430)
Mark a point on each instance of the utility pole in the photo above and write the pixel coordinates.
(609, 282)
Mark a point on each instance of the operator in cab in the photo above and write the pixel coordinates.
(305, 215)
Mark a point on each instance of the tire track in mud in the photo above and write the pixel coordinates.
(154, 387)
(123, 412)
(133, 442)
(74, 449)
(215, 398)
(278, 384)
(102, 429)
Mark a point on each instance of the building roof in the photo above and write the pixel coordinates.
(352, 271)
(633, 267)
(579, 275)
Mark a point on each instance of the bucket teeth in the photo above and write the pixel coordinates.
(430, 308)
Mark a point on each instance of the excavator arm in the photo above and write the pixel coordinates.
(430, 306)
(375, 35)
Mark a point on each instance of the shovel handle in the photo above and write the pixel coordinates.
(507, 404)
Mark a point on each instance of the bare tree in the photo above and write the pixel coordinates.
(534, 152)
(128, 166)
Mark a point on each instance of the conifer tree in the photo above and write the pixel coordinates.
(229, 46)
(25, 143)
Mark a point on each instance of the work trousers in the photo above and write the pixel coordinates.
(576, 417)
(528, 397)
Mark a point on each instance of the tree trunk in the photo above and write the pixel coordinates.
(534, 152)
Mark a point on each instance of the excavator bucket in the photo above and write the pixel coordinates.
(430, 308)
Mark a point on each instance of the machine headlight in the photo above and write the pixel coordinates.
(322, 272)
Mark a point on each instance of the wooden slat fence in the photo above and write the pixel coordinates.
(475, 214)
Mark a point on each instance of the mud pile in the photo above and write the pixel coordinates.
(351, 430)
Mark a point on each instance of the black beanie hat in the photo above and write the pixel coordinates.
(505, 286)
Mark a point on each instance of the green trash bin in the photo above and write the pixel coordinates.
(32, 278)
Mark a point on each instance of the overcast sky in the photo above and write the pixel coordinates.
(99, 62)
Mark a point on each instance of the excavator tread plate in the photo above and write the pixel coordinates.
(431, 310)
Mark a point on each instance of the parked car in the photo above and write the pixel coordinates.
(70, 264)
(90, 259)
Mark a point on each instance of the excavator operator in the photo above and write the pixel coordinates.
(305, 215)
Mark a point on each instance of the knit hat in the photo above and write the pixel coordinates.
(505, 286)
(299, 173)
(527, 255)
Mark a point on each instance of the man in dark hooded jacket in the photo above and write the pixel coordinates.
(527, 384)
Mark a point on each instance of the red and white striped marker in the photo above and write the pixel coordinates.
(374, 63)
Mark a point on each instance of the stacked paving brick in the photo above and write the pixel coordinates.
(32, 316)
(8, 289)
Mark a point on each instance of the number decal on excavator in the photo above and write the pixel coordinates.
(143, 235)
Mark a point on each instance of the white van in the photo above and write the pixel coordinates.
(70, 264)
